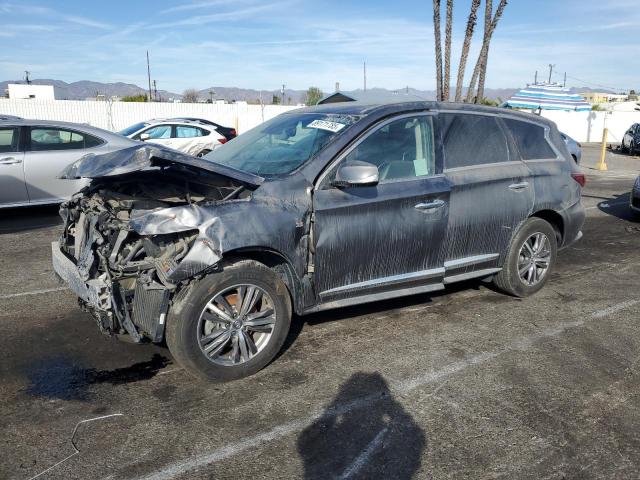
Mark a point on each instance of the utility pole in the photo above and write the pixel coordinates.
(564, 84)
(149, 75)
(364, 66)
(550, 70)
(155, 91)
(282, 91)
(535, 78)
(26, 77)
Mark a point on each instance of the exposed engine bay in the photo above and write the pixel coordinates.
(124, 278)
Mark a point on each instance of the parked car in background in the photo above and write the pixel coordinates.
(189, 136)
(34, 152)
(318, 208)
(631, 139)
(9, 117)
(575, 149)
(227, 132)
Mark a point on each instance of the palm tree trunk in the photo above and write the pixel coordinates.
(485, 61)
(481, 65)
(447, 52)
(471, 23)
(436, 32)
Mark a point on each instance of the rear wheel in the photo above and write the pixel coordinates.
(632, 148)
(230, 324)
(530, 259)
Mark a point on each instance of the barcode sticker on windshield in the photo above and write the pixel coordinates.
(326, 125)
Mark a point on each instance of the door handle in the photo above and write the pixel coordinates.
(518, 186)
(9, 161)
(430, 206)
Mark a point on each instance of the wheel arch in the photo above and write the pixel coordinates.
(278, 263)
(555, 220)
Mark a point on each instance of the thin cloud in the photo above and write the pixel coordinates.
(217, 17)
(199, 5)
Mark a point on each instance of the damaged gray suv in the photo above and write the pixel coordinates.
(317, 208)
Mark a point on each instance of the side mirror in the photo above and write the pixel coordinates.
(356, 173)
(144, 136)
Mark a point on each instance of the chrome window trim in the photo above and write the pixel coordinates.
(372, 129)
(482, 165)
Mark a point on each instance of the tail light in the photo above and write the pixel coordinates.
(580, 178)
(222, 140)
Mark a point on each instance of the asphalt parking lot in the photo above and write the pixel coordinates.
(468, 383)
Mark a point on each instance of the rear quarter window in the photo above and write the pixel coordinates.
(530, 140)
(471, 140)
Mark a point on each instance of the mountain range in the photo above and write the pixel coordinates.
(85, 89)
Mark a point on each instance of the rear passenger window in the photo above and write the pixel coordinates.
(55, 139)
(471, 140)
(530, 140)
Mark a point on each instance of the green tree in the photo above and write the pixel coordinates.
(134, 98)
(314, 95)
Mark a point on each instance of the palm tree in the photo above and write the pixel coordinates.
(436, 32)
(471, 23)
(481, 65)
(447, 51)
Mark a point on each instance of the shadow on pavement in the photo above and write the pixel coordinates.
(618, 206)
(364, 433)
(14, 220)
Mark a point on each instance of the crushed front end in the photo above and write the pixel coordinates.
(132, 242)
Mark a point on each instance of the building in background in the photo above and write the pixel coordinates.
(603, 97)
(18, 91)
(547, 96)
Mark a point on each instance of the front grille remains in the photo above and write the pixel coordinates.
(149, 310)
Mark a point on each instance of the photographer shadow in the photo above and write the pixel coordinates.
(364, 433)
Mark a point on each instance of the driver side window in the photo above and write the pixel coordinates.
(401, 149)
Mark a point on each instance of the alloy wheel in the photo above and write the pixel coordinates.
(236, 324)
(534, 259)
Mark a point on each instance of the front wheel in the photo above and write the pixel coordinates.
(530, 259)
(230, 324)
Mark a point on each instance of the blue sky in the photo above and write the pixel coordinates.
(264, 43)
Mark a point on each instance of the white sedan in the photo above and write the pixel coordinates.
(188, 136)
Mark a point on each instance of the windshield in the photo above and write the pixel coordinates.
(282, 144)
(132, 129)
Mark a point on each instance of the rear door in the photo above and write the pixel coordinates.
(491, 192)
(12, 187)
(49, 150)
(378, 238)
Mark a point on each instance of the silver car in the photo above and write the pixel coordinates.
(575, 149)
(34, 152)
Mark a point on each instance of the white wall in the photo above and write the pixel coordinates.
(118, 115)
(588, 126)
(23, 90)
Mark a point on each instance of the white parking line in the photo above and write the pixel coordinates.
(32, 292)
(402, 387)
(361, 459)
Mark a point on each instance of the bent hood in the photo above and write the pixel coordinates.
(143, 157)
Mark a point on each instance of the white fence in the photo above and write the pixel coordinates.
(582, 126)
(118, 115)
(588, 126)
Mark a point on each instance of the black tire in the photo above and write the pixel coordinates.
(508, 279)
(183, 321)
(203, 153)
(632, 149)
